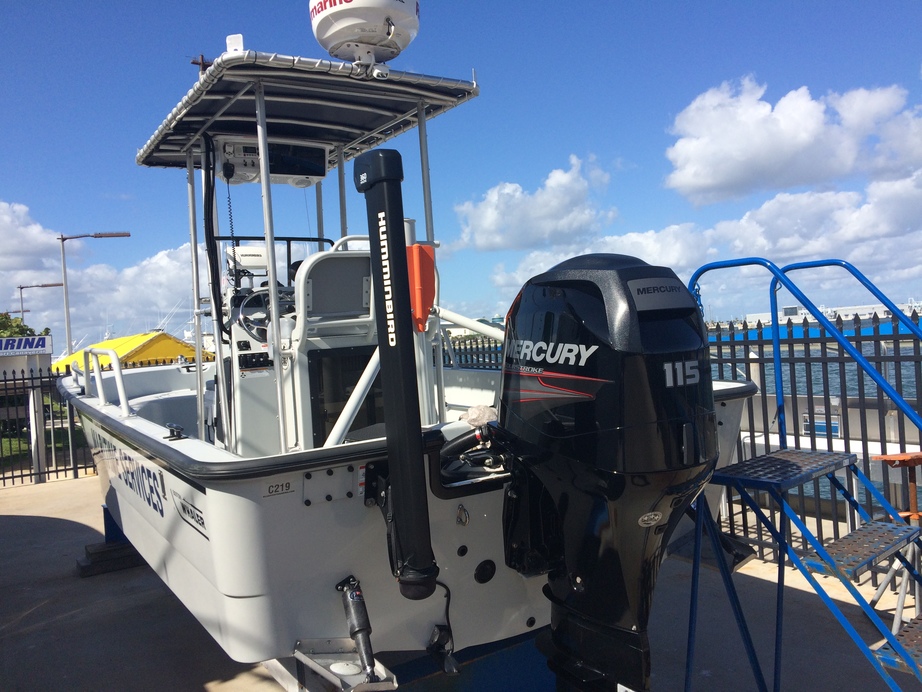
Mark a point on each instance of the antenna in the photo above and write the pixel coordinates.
(365, 31)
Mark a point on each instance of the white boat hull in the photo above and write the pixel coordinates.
(258, 566)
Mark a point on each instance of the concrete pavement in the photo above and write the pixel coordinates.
(126, 631)
(118, 631)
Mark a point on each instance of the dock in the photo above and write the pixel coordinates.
(125, 630)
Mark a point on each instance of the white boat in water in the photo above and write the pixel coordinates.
(262, 487)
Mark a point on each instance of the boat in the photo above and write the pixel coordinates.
(325, 496)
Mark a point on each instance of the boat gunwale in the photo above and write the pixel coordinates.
(168, 457)
(734, 389)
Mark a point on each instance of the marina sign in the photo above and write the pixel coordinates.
(25, 345)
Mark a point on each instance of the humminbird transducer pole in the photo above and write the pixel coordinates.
(378, 175)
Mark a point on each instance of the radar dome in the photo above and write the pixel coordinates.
(366, 31)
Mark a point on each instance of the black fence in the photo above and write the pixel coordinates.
(824, 388)
(828, 402)
(477, 352)
(40, 437)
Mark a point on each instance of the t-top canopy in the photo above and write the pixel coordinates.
(308, 101)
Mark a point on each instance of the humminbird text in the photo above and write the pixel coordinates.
(388, 289)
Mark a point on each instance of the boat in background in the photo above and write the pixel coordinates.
(148, 348)
(262, 487)
(855, 319)
(849, 312)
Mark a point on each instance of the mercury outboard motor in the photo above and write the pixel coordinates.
(608, 408)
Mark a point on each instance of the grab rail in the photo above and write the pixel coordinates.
(343, 243)
(363, 386)
(97, 376)
(468, 323)
(354, 402)
(781, 277)
(864, 281)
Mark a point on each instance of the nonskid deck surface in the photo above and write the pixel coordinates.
(125, 630)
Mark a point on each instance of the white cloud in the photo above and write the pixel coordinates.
(532, 264)
(861, 111)
(879, 231)
(26, 244)
(682, 248)
(560, 210)
(137, 298)
(679, 246)
(791, 226)
(788, 226)
(732, 142)
(102, 297)
(900, 144)
(893, 209)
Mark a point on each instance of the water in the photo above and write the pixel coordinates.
(819, 370)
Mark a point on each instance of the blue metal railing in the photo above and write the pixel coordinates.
(876, 292)
(780, 277)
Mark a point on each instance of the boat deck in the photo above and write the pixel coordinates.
(125, 630)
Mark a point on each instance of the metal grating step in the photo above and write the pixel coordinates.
(782, 469)
(910, 638)
(861, 549)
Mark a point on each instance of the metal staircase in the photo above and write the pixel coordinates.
(874, 542)
(879, 537)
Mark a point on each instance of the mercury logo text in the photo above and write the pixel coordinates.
(648, 290)
(542, 352)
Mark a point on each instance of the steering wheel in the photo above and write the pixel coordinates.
(256, 323)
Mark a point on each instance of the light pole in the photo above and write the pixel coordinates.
(63, 239)
(22, 311)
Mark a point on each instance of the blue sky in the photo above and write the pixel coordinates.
(681, 133)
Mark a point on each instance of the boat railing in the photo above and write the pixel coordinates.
(864, 281)
(343, 243)
(830, 367)
(780, 277)
(354, 402)
(476, 326)
(366, 380)
(100, 391)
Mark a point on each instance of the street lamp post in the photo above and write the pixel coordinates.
(36, 406)
(63, 239)
(22, 310)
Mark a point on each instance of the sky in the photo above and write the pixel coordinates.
(679, 133)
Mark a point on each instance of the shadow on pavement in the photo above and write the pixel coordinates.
(118, 631)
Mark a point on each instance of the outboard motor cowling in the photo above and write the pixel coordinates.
(607, 405)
